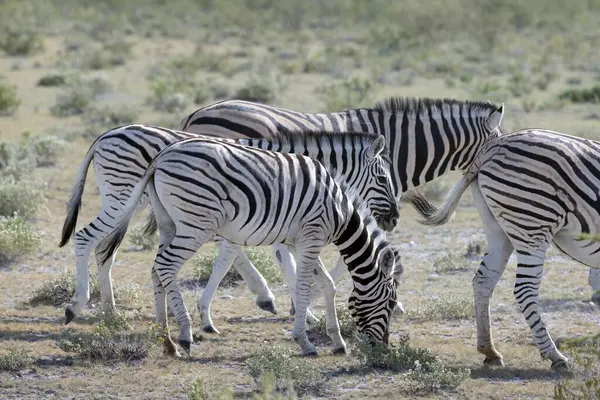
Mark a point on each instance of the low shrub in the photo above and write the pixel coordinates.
(109, 341)
(51, 80)
(16, 358)
(591, 95)
(9, 100)
(77, 97)
(17, 238)
(16, 41)
(348, 327)
(258, 90)
(19, 197)
(446, 308)
(286, 368)
(60, 291)
(144, 242)
(349, 93)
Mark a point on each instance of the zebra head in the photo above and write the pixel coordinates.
(378, 192)
(372, 308)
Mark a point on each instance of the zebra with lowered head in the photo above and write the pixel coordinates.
(358, 160)
(200, 188)
(532, 188)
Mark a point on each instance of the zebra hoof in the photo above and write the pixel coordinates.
(310, 353)
(493, 362)
(560, 365)
(340, 351)
(210, 329)
(186, 345)
(268, 305)
(69, 315)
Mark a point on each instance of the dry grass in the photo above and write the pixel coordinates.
(307, 58)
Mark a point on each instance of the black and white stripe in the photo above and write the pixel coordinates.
(357, 160)
(532, 188)
(200, 188)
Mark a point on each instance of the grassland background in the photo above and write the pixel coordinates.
(157, 61)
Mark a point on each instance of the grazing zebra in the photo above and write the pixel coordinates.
(356, 159)
(426, 138)
(532, 188)
(249, 196)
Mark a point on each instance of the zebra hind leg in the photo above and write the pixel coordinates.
(160, 304)
(594, 282)
(530, 268)
(86, 240)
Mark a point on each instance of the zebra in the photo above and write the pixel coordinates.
(426, 138)
(357, 159)
(533, 187)
(204, 187)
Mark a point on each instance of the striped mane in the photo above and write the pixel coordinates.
(289, 136)
(428, 106)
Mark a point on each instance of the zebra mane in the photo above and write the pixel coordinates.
(286, 136)
(430, 106)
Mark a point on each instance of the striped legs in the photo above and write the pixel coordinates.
(497, 253)
(86, 239)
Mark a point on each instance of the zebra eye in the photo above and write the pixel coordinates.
(381, 179)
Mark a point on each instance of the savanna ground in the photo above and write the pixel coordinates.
(73, 69)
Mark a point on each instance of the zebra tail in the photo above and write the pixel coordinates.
(151, 226)
(74, 204)
(116, 236)
(440, 216)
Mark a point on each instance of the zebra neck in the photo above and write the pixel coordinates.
(357, 247)
(423, 148)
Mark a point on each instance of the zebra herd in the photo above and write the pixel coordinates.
(246, 174)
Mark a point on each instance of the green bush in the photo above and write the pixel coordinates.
(77, 97)
(18, 42)
(19, 197)
(423, 371)
(109, 341)
(286, 368)
(591, 95)
(9, 100)
(168, 95)
(145, 242)
(446, 308)
(109, 116)
(52, 80)
(19, 158)
(15, 359)
(17, 238)
(584, 380)
(60, 291)
(352, 92)
(258, 90)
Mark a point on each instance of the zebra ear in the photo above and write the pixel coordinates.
(376, 147)
(386, 261)
(494, 120)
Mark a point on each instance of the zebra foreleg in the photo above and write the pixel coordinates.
(257, 284)
(325, 282)
(284, 256)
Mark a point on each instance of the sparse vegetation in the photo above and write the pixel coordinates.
(59, 291)
(17, 239)
(9, 100)
(19, 198)
(584, 382)
(448, 307)
(15, 358)
(347, 324)
(422, 369)
(348, 93)
(591, 95)
(110, 341)
(100, 61)
(301, 374)
(144, 242)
